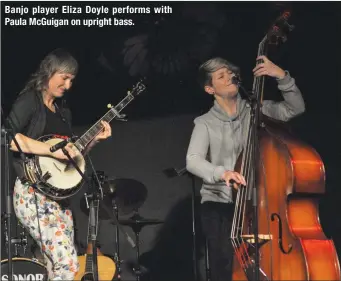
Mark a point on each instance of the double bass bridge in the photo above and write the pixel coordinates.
(262, 239)
(245, 252)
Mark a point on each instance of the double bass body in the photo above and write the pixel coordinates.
(293, 245)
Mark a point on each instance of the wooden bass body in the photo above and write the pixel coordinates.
(293, 246)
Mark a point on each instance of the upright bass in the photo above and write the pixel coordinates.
(276, 232)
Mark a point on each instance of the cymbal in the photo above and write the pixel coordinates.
(128, 195)
(137, 220)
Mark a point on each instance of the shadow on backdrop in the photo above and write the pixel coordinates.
(171, 256)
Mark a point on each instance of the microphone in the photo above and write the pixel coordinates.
(59, 145)
(62, 144)
(236, 80)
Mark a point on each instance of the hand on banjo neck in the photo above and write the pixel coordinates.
(70, 148)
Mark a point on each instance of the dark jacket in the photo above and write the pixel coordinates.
(28, 117)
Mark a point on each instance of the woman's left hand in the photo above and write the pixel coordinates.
(106, 133)
(268, 68)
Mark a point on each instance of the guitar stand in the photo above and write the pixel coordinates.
(114, 219)
(93, 196)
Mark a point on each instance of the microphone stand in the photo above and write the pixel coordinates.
(236, 80)
(173, 172)
(7, 134)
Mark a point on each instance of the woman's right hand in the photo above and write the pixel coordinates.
(59, 154)
(234, 178)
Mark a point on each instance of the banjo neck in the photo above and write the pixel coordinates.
(89, 135)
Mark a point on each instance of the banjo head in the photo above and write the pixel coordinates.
(60, 179)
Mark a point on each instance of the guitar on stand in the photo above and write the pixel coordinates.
(105, 266)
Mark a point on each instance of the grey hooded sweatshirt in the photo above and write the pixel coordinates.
(218, 139)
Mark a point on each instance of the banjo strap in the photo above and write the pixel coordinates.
(63, 117)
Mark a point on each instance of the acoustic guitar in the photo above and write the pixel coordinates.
(106, 267)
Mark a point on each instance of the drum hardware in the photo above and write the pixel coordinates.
(109, 198)
(7, 135)
(129, 195)
(24, 269)
(18, 242)
(120, 196)
(126, 195)
(136, 222)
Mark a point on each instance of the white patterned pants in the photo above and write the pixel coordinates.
(56, 230)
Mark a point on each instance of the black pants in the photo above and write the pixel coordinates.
(216, 221)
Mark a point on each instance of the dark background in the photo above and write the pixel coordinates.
(161, 119)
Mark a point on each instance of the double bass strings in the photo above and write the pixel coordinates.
(240, 208)
(238, 242)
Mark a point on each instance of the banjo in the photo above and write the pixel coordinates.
(59, 179)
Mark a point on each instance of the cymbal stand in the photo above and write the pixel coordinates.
(114, 218)
(117, 257)
(137, 270)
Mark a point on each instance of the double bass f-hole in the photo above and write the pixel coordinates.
(280, 234)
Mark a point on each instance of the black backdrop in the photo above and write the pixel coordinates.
(157, 135)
